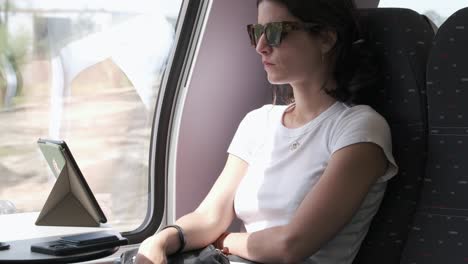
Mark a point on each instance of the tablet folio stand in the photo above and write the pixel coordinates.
(68, 204)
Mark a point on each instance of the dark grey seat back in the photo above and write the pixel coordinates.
(440, 230)
(402, 38)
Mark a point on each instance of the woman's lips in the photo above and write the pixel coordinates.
(267, 64)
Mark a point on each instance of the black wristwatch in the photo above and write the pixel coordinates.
(182, 240)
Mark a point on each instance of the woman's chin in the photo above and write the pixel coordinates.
(275, 80)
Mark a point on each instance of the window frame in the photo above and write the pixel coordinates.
(189, 27)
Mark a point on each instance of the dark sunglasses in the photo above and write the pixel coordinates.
(276, 31)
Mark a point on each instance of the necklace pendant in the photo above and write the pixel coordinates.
(294, 146)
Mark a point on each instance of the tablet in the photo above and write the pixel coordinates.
(71, 201)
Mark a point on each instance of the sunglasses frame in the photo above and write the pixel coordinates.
(274, 38)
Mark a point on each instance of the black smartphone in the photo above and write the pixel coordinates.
(82, 243)
(4, 246)
(89, 238)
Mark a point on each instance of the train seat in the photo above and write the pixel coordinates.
(402, 38)
(439, 233)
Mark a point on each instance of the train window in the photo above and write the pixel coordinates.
(437, 11)
(88, 72)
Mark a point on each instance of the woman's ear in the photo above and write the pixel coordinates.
(328, 40)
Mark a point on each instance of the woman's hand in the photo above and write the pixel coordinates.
(151, 251)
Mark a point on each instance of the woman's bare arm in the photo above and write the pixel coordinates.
(209, 220)
(323, 212)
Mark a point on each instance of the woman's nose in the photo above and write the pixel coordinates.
(262, 46)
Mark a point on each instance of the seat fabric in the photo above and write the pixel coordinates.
(402, 39)
(439, 233)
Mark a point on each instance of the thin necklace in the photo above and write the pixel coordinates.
(295, 144)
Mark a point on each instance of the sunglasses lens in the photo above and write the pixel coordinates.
(258, 31)
(273, 33)
(255, 32)
(250, 30)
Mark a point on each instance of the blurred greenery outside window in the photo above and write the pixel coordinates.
(87, 72)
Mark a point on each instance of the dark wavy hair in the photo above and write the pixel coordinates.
(355, 70)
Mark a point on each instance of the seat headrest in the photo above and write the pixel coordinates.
(402, 38)
(447, 73)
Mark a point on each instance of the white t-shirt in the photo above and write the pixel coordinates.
(285, 163)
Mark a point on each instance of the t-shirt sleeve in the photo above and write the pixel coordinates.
(243, 143)
(366, 125)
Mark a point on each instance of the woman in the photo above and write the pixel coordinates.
(306, 178)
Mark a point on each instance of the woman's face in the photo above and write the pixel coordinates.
(298, 58)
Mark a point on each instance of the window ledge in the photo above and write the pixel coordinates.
(21, 226)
